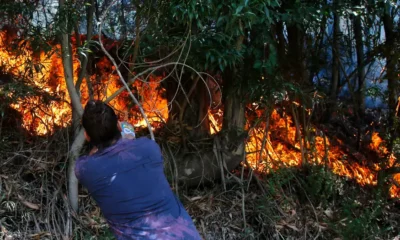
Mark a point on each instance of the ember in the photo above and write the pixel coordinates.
(266, 151)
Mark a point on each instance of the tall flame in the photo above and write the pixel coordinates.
(277, 154)
(47, 74)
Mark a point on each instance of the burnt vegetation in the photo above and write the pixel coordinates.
(277, 119)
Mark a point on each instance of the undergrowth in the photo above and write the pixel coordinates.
(289, 203)
(316, 197)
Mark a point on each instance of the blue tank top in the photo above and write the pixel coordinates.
(128, 183)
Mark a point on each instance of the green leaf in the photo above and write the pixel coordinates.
(212, 58)
(257, 64)
(239, 9)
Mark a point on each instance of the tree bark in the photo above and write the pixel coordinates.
(390, 62)
(234, 110)
(67, 57)
(335, 55)
(297, 54)
(203, 98)
(335, 60)
(360, 64)
(228, 148)
(229, 145)
(84, 56)
(281, 44)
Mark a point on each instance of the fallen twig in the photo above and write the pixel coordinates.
(176, 170)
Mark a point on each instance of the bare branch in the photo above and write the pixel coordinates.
(84, 55)
(151, 70)
(119, 73)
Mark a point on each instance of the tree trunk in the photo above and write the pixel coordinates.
(229, 145)
(335, 61)
(335, 55)
(179, 113)
(234, 121)
(233, 108)
(390, 62)
(281, 44)
(234, 105)
(75, 150)
(203, 98)
(360, 64)
(297, 54)
(77, 109)
(360, 93)
(84, 55)
(228, 148)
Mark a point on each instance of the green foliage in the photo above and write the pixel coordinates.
(278, 182)
(357, 221)
(67, 18)
(224, 35)
(14, 9)
(320, 184)
(374, 92)
(349, 212)
(103, 234)
(315, 183)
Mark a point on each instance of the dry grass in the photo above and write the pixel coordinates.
(33, 202)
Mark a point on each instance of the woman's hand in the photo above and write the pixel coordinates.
(127, 130)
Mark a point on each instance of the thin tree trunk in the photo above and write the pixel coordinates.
(293, 57)
(204, 103)
(360, 93)
(75, 150)
(319, 42)
(84, 56)
(122, 21)
(234, 109)
(297, 53)
(360, 63)
(77, 109)
(335, 58)
(390, 62)
(281, 43)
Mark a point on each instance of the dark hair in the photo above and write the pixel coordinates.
(101, 124)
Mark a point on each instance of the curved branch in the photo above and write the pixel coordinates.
(120, 75)
(152, 70)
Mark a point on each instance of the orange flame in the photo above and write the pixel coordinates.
(266, 151)
(279, 148)
(41, 118)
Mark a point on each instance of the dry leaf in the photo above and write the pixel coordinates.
(39, 235)
(322, 227)
(293, 212)
(28, 204)
(195, 198)
(293, 227)
(278, 227)
(329, 213)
